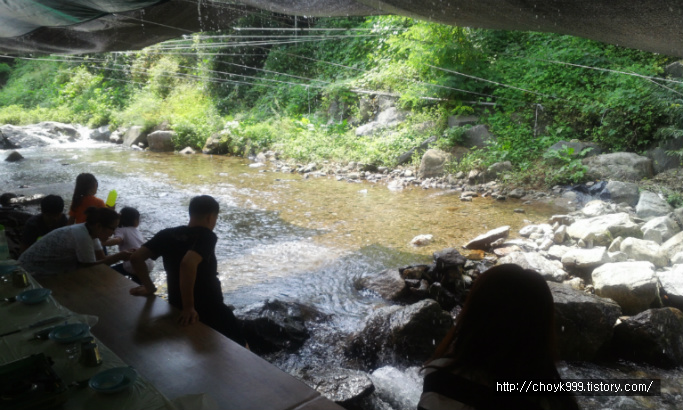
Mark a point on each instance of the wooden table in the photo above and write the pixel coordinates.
(178, 360)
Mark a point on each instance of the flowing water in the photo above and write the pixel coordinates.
(286, 237)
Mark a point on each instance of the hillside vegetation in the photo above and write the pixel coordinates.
(302, 92)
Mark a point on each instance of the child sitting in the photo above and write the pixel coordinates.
(127, 237)
(84, 197)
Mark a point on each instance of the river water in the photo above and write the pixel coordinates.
(286, 237)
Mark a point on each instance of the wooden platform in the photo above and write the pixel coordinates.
(178, 360)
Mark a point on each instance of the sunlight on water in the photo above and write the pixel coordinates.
(282, 236)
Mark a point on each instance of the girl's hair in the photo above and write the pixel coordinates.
(85, 182)
(506, 327)
(129, 217)
(104, 216)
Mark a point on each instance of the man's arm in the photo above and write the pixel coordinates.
(188, 275)
(137, 262)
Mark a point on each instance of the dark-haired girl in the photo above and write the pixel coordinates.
(74, 246)
(505, 333)
(84, 198)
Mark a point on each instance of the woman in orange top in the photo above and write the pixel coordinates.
(84, 198)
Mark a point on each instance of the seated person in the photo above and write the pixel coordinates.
(84, 198)
(74, 246)
(128, 237)
(51, 217)
(191, 270)
(505, 332)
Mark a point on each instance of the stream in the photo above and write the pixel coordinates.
(287, 237)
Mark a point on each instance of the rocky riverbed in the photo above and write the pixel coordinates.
(612, 258)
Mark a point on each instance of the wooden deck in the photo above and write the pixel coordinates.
(178, 360)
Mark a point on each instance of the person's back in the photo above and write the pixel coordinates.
(51, 217)
(505, 332)
(172, 244)
(84, 198)
(191, 270)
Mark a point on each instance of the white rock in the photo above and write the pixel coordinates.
(549, 269)
(560, 234)
(615, 246)
(633, 285)
(597, 208)
(422, 240)
(604, 228)
(677, 259)
(642, 250)
(665, 225)
(585, 259)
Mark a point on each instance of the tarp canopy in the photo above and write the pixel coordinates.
(87, 26)
(20, 17)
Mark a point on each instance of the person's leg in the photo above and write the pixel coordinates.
(119, 268)
(221, 319)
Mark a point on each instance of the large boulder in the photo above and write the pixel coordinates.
(161, 141)
(14, 137)
(671, 283)
(650, 205)
(388, 284)
(345, 387)
(654, 336)
(659, 154)
(484, 241)
(134, 136)
(60, 129)
(598, 207)
(477, 136)
(603, 229)
(400, 334)
(673, 245)
(408, 155)
(496, 170)
(462, 120)
(633, 285)
(583, 322)
(101, 133)
(447, 270)
(216, 144)
(665, 225)
(582, 261)
(577, 149)
(369, 129)
(642, 250)
(14, 156)
(619, 165)
(550, 269)
(390, 117)
(276, 325)
(618, 192)
(433, 163)
(674, 69)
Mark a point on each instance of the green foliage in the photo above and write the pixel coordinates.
(570, 170)
(673, 198)
(300, 97)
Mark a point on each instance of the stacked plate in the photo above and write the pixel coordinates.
(69, 333)
(113, 380)
(33, 296)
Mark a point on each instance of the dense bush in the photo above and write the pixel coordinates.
(301, 96)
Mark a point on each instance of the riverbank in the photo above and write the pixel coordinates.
(267, 248)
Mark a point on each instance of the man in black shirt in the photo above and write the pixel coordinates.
(191, 270)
